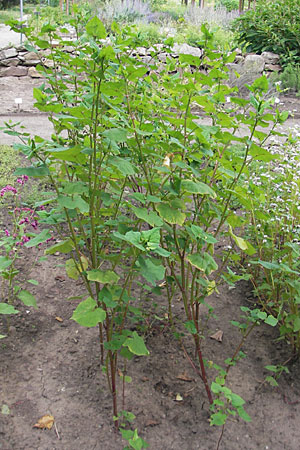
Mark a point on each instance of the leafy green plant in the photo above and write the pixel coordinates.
(9, 161)
(145, 190)
(277, 371)
(230, 5)
(273, 216)
(20, 234)
(289, 78)
(272, 26)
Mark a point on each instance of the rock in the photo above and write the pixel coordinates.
(9, 62)
(8, 53)
(31, 62)
(186, 49)
(33, 73)
(270, 58)
(147, 59)
(273, 67)
(239, 59)
(254, 64)
(68, 49)
(31, 59)
(13, 72)
(142, 51)
(234, 71)
(48, 63)
(156, 48)
(163, 57)
(21, 48)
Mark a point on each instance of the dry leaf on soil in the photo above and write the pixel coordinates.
(60, 278)
(184, 377)
(178, 398)
(46, 421)
(151, 423)
(218, 336)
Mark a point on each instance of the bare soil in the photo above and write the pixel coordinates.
(48, 366)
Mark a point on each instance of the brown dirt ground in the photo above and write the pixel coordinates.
(52, 367)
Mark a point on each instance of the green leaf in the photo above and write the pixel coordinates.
(88, 314)
(38, 94)
(39, 239)
(7, 309)
(103, 276)
(62, 247)
(138, 73)
(27, 298)
(243, 415)
(150, 271)
(236, 400)
(271, 320)
(71, 268)
(216, 388)
(116, 134)
(218, 419)
(96, 28)
(170, 214)
(75, 202)
(34, 282)
(123, 165)
(4, 263)
(240, 242)
(150, 217)
(40, 171)
(266, 264)
(261, 84)
(134, 237)
(261, 154)
(272, 381)
(204, 262)
(190, 326)
(136, 345)
(76, 187)
(296, 324)
(197, 187)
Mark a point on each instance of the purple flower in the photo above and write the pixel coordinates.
(6, 189)
(22, 180)
(7, 232)
(34, 224)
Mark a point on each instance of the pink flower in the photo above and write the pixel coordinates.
(7, 232)
(6, 189)
(22, 180)
(34, 224)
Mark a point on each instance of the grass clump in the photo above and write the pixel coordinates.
(9, 161)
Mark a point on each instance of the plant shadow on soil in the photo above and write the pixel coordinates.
(53, 367)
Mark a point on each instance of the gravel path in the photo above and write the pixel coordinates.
(8, 37)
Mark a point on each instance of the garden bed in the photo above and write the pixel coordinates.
(50, 365)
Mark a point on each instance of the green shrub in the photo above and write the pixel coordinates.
(273, 26)
(150, 33)
(290, 78)
(230, 5)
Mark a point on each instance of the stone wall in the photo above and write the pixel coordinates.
(19, 62)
